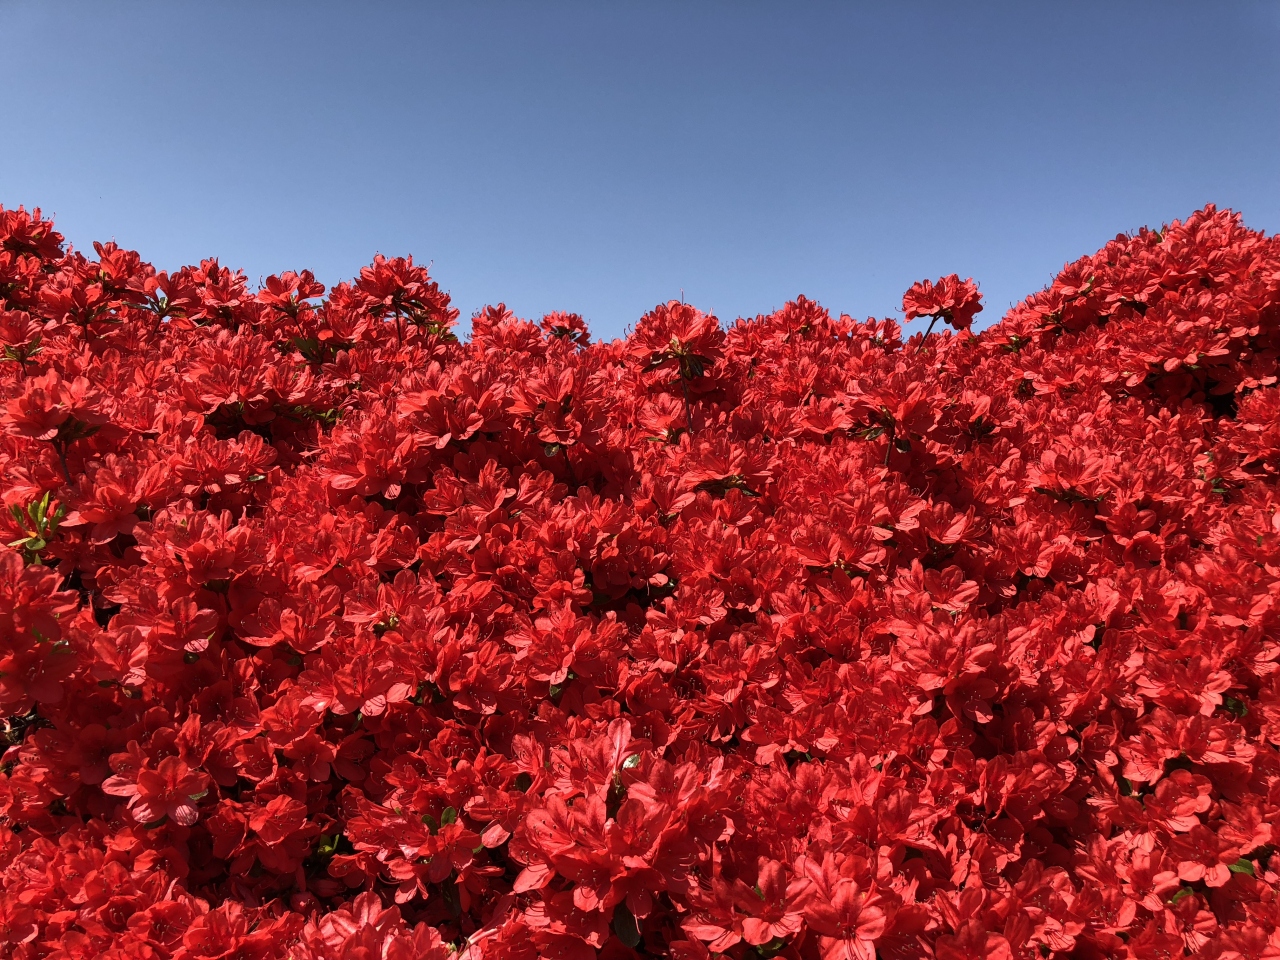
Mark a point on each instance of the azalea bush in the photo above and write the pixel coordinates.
(328, 630)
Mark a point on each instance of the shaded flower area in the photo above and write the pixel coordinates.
(325, 633)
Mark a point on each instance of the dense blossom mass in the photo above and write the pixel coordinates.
(327, 634)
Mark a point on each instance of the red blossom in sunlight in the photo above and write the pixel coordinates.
(950, 299)
(677, 335)
(169, 790)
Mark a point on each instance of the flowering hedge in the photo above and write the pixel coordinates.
(326, 634)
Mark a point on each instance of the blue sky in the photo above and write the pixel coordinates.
(602, 157)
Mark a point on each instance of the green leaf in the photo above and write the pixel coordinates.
(625, 926)
(1243, 865)
(450, 815)
(770, 949)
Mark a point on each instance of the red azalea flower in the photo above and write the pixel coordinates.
(781, 912)
(951, 299)
(850, 920)
(678, 335)
(171, 789)
(42, 408)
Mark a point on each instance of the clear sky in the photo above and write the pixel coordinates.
(601, 157)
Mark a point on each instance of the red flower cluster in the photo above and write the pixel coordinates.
(324, 634)
(951, 299)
